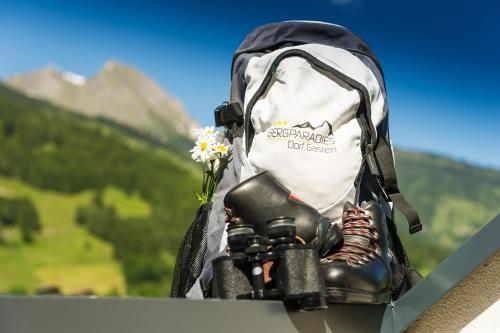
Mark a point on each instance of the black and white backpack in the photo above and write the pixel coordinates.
(308, 104)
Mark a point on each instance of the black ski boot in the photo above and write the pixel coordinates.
(359, 272)
(262, 198)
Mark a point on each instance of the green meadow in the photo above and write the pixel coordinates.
(63, 253)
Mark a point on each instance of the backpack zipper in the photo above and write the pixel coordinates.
(363, 114)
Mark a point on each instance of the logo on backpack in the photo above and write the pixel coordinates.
(304, 136)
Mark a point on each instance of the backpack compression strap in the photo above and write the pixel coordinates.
(384, 156)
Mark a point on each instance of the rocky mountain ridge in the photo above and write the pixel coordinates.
(118, 92)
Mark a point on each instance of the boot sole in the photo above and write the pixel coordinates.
(341, 295)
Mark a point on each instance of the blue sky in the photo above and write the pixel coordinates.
(440, 58)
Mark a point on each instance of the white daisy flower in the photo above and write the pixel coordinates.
(206, 131)
(221, 149)
(203, 149)
(211, 151)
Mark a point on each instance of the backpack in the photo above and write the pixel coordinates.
(308, 104)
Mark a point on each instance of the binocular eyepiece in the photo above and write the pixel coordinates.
(281, 230)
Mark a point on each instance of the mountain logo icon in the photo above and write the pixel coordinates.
(308, 125)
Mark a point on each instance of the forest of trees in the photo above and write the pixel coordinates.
(137, 245)
(20, 213)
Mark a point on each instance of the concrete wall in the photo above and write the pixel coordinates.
(471, 306)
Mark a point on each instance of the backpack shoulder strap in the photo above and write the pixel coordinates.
(383, 153)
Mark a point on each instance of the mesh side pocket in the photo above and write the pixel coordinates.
(189, 261)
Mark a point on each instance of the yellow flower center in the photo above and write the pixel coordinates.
(222, 148)
(203, 146)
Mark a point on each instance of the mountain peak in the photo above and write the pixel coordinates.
(112, 64)
(50, 68)
(50, 72)
(118, 92)
(120, 74)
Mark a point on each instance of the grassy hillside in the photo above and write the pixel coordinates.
(64, 254)
(61, 161)
(454, 200)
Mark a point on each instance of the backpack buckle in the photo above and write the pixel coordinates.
(228, 114)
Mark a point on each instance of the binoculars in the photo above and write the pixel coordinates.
(275, 266)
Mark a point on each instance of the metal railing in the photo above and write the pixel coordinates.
(55, 314)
